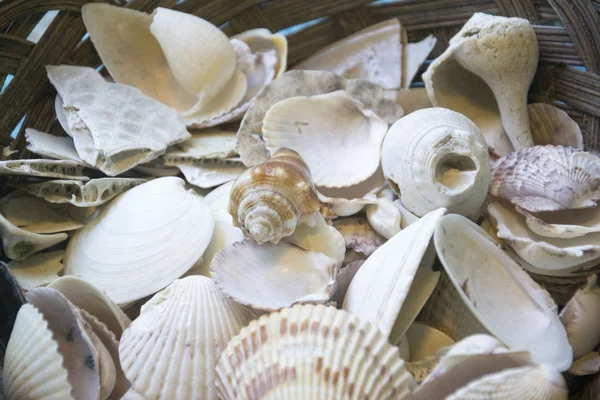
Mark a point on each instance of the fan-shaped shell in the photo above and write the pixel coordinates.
(308, 352)
(141, 242)
(171, 349)
(551, 125)
(547, 178)
(207, 173)
(437, 158)
(262, 39)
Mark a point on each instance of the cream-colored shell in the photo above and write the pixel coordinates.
(424, 341)
(35, 215)
(551, 125)
(384, 216)
(51, 146)
(208, 173)
(343, 279)
(407, 218)
(262, 39)
(436, 158)
(307, 352)
(38, 269)
(42, 168)
(565, 224)
(359, 235)
(170, 351)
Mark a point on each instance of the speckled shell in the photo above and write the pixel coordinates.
(309, 352)
(269, 200)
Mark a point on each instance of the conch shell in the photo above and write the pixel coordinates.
(269, 201)
(436, 158)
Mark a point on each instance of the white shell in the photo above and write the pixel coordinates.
(57, 169)
(551, 125)
(414, 56)
(218, 198)
(565, 224)
(381, 287)
(34, 215)
(384, 216)
(359, 235)
(499, 294)
(38, 269)
(319, 237)
(171, 349)
(50, 146)
(208, 143)
(262, 39)
(128, 250)
(437, 158)
(424, 341)
(207, 173)
(407, 218)
(307, 352)
(317, 126)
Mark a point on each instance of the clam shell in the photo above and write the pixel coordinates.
(561, 288)
(320, 237)
(262, 39)
(565, 224)
(148, 224)
(50, 146)
(61, 169)
(308, 352)
(499, 294)
(207, 173)
(551, 125)
(34, 215)
(436, 158)
(359, 235)
(38, 269)
(171, 349)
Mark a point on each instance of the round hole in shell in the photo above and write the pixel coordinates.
(456, 172)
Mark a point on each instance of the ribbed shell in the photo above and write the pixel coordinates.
(359, 235)
(171, 349)
(33, 366)
(547, 178)
(309, 352)
(268, 201)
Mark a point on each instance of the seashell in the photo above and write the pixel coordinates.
(262, 39)
(50, 146)
(33, 365)
(404, 348)
(11, 299)
(425, 341)
(283, 274)
(60, 169)
(343, 279)
(34, 215)
(561, 288)
(38, 269)
(485, 74)
(132, 395)
(250, 146)
(560, 256)
(586, 365)
(580, 317)
(339, 357)
(88, 298)
(413, 99)
(209, 143)
(421, 369)
(496, 293)
(379, 293)
(110, 140)
(406, 217)
(547, 178)
(218, 198)
(171, 349)
(305, 125)
(565, 224)
(269, 201)
(352, 256)
(207, 173)
(93, 193)
(551, 125)
(147, 224)
(359, 235)
(415, 55)
(384, 216)
(436, 158)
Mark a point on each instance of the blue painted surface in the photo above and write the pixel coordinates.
(296, 28)
(17, 128)
(9, 78)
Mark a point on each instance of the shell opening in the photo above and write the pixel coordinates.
(456, 172)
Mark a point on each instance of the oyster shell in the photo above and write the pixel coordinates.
(359, 235)
(485, 74)
(261, 40)
(337, 137)
(135, 236)
(42, 168)
(50, 146)
(551, 125)
(308, 352)
(171, 349)
(38, 269)
(207, 173)
(547, 178)
(437, 158)
(269, 201)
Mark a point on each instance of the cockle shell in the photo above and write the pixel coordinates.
(437, 158)
(50, 146)
(135, 238)
(384, 216)
(497, 293)
(308, 352)
(269, 201)
(339, 139)
(207, 173)
(359, 235)
(485, 74)
(261, 40)
(551, 125)
(38, 269)
(251, 147)
(34, 215)
(57, 169)
(171, 349)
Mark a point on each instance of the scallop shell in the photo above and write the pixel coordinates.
(359, 235)
(38, 269)
(437, 158)
(485, 74)
(305, 125)
(171, 349)
(379, 291)
(34, 215)
(335, 356)
(547, 178)
(499, 294)
(424, 341)
(207, 173)
(551, 125)
(42, 168)
(250, 146)
(135, 238)
(269, 201)
(262, 39)
(580, 317)
(565, 224)
(384, 216)
(50, 146)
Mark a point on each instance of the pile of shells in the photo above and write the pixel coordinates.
(212, 226)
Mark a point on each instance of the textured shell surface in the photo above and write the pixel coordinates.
(436, 158)
(170, 351)
(498, 292)
(34, 215)
(547, 178)
(359, 235)
(379, 291)
(564, 224)
(551, 125)
(38, 269)
(252, 148)
(57, 169)
(424, 341)
(308, 352)
(268, 201)
(135, 238)
(339, 139)
(51, 146)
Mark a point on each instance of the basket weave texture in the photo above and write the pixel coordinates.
(568, 33)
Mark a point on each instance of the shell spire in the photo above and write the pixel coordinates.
(268, 201)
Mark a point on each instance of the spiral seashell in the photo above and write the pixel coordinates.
(268, 201)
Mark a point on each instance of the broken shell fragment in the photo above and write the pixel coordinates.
(207, 173)
(384, 216)
(565, 224)
(346, 358)
(436, 158)
(424, 341)
(38, 269)
(268, 201)
(170, 351)
(135, 239)
(208, 143)
(50, 146)
(261, 40)
(551, 125)
(320, 237)
(34, 215)
(359, 235)
(57, 169)
(413, 99)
